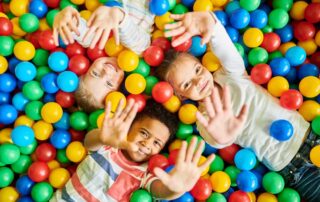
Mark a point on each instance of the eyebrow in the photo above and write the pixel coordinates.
(194, 67)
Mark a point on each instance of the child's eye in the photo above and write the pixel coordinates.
(95, 74)
(186, 85)
(157, 143)
(144, 134)
(198, 69)
(109, 84)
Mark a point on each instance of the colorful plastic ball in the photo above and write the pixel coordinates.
(304, 31)
(63, 123)
(3, 64)
(271, 42)
(22, 135)
(153, 56)
(25, 71)
(285, 33)
(9, 153)
(38, 171)
(257, 55)
(296, 55)
(42, 191)
(233, 34)
(135, 83)
(64, 99)
(228, 153)
(6, 177)
(51, 112)
(59, 177)
(95, 53)
(162, 92)
(140, 195)
(240, 18)
(245, 159)
(261, 73)
(247, 181)
(68, 81)
(9, 194)
(202, 5)
(202, 189)
(150, 83)
(24, 50)
(310, 86)
(250, 5)
(8, 114)
(173, 104)
(159, 7)
(76, 49)
(6, 27)
(46, 40)
(29, 149)
(58, 61)
(277, 85)
(41, 57)
(163, 43)
(184, 47)
(45, 152)
(278, 18)
(273, 183)
(138, 99)
(298, 9)
(143, 68)
(174, 152)
(29, 22)
(309, 109)
(258, 19)
(253, 37)
(24, 185)
(220, 181)
(184, 131)
(216, 165)
(5, 98)
(280, 66)
(79, 120)
(49, 83)
(179, 9)
(23, 120)
(162, 20)
(115, 97)
(186, 197)
(291, 99)
(32, 90)
(22, 164)
(233, 173)
(314, 157)
(38, 8)
(197, 49)
(210, 61)
(312, 13)
(112, 49)
(159, 161)
(79, 64)
(75, 151)
(282, 130)
(239, 196)
(128, 60)
(7, 45)
(308, 70)
(316, 125)
(42, 130)
(216, 197)
(289, 195)
(309, 46)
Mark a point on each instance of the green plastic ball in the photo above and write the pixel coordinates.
(172, 4)
(273, 182)
(9, 153)
(179, 9)
(278, 18)
(41, 192)
(216, 197)
(275, 54)
(79, 120)
(267, 29)
(93, 117)
(233, 173)
(150, 82)
(316, 125)
(250, 5)
(6, 44)
(41, 57)
(27, 150)
(50, 16)
(33, 110)
(289, 195)
(240, 49)
(29, 22)
(284, 4)
(257, 55)
(199, 138)
(6, 177)
(22, 164)
(41, 71)
(184, 131)
(62, 156)
(66, 3)
(140, 195)
(216, 165)
(32, 90)
(143, 68)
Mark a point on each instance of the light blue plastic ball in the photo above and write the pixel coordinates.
(245, 159)
(22, 135)
(197, 49)
(58, 61)
(68, 81)
(296, 55)
(25, 71)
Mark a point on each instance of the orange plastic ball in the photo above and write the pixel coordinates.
(76, 152)
(24, 50)
(135, 83)
(128, 60)
(187, 113)
(51, 112)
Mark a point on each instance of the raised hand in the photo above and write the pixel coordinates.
(222, 125)
(189, 25)
(186, 172)
(102, 21)
(65, 22)
(115, 129)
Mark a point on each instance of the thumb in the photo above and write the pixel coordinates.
(162, 175)
(206, 37)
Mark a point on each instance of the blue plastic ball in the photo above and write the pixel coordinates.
(22, 135)
(231, 7)
(233, 34)
(159, 7)
(60, 139)
(258, 176)
(265, 7)
(49, 97)
(38, 8)
(222, 17)
(4, 98)
(8, 114)
(58, 61)
(258, 19)
(113, 3)
(281, 130)
(169, 168)
(245, 159)
(296, 55)
(197, 49)
(228, 193)
(186, 197)
(188, 3)
(25, 71)
(12, 64)
(279, 66)
(24, 185)
(208, 149)
(25, 199)
(240, 18)
(63, 123)
(285, 33)
(318, 99)
(247, 181)
(68, 81)
(49, 83)
(7, 83)
(308, 70)
(19, 101)
(292, 75)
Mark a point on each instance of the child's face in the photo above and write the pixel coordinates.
(150, 135)
(189, 78)
(103, 76)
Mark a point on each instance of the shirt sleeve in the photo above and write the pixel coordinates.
(147, 181)
(222, 46)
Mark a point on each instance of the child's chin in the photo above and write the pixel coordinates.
(138, 158)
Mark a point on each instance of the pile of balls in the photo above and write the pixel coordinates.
(41, 143)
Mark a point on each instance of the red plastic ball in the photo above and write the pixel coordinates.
(261, 73)
(138, 99)
(184, 47)
(65, 99)
(271, 42)
(315, 58)
(72, 169)
(161, 42)
(6, 27)
(52, 3)
(34, 38)
(45, 152)
(77, 135)
(173, 156)
(153, 56)
(159, 161)
(38, 171)
(239, 196)
(46, 40)
(75, 49)
(304, 31)
(95, 53)
(202, 189)
(228, 153)
(312, 13)
(291, 99)
(162, 92)
(79, 64)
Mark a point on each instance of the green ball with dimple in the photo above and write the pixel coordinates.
(66, 3)
(278, 18)
(216, 197)
(29, 149)
(233, 173)
(42, 192)
(184, 131)
(29, 22)
(93, 117)
(62, 156)
(6, 45)
(267, 29)
(33, 110)
(240, 49)
(143, 68)
(284, 4)
(289, 195)
(79, 120)
(140, 195)
(172, 4)
(316, 125)
(32, 90)
(22, 164)
(179, 9)
(150, 82)
(41, 57)
(257, 55)
(6, 176)
(216, 165)
(273, 182)
(9, 153)
(50, 16)
(41, 71)
(250, 5)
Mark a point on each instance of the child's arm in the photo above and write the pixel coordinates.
(185, 173)
(114, 129)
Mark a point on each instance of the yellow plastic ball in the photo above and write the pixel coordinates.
(135, 83)
(5, 135)
(92, 5)
(317, 38)
(112, 49)
(253, 37)
(76, 152)
(19, 7)
(315, 1)
(100, 120)
(220, 181)
(3, 64)
(187, 113)
(314, 155)
(310, 86)
(201, 161)
(43, 25)
(285, 46)
(16, 27)
(42, 130)
(176, 144)
(24, 50)
(85, 14)
(23, 120)
(157, 34)
(267, 197)
(309, 46)
(53, 164)
(78, 2)
(51, 112)
(203, 5)
(297, 10)
(8, 194)
(3, 15)
(173, 104)
(162, 20)
(115, 97)
(277, 85)
(219, 3)
(309, 110)
(210, 61)
(252, 196)
(128, 60)
(59, 177)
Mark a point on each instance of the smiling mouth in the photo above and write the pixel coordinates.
(204, 85)
(111, 66)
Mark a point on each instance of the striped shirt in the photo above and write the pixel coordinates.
(105, 175)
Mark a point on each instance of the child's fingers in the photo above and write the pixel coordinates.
(96, 38)
(104, 38)
(177, 16)
(190, 150)
(198, 152)
(115, 32)
(226, 99)
(68, 34)
(119, 108)
(132, 114)
(127, 109)
(206, 37)
(63, 37)
(56, 36)
(77, 15)
(202, 120)
(173, 25)
(107, 112)
(91, 19)
(74, 28)
(207, 162)
(181, 39)
(209, 107)
(175, 32)
(162, 175)
(216, 100)
(182, 153)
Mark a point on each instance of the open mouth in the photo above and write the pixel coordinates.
(204, 85)
(111, 66)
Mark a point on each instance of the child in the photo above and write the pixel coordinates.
(131, 24)
(218, 125)
(118, 165)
